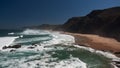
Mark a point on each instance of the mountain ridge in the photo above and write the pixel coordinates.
(104, 22)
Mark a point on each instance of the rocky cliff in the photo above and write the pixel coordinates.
(104, 22)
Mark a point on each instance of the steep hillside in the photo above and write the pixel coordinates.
(104, 22)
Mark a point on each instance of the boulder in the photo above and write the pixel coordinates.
(116, 52)
(5, 47)
(12, 50)
(14, 46)
(31, 47)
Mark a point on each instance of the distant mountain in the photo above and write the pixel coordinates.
(45, 27)
(104, 22)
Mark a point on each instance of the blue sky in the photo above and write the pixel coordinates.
(19, 13)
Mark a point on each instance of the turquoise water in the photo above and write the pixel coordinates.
(50, 52)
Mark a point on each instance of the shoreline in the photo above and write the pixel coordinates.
(99, 43)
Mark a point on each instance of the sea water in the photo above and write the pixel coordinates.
(51, 50)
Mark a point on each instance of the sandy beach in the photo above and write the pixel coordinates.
(97, 42)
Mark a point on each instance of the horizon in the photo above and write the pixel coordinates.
(17, 14)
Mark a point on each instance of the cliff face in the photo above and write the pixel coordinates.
(102, 22)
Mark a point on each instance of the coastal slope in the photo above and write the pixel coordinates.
(104, 22)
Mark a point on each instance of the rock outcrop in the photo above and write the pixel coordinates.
(14, 46)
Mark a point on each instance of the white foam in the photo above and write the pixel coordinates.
(60, 39)
(36, 48)
(71, 62)
(25, 40)
(34, 32)
(106, 54)
(44, 62)
(57, 39)
(21, 36)
(6, 41)
(11, 33)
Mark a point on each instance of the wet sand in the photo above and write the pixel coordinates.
(97, 42)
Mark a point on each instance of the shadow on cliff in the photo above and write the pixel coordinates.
(104, 22)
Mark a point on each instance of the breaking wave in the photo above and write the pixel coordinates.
(50, 52)
(6, 41)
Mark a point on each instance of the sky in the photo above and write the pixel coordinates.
(20, 13)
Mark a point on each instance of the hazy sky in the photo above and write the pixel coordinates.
(19, 13)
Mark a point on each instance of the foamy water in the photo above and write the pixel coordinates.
(6, 41)
(44, 63)
(53, 50)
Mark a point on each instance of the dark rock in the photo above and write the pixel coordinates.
(12, 50)
(14, 46)
(116, 52)
(117, 62)
(37, 64)
(84, 45)
(5, 47)
(33, 43)
(31, 47)
(36, 45)
(118, 65)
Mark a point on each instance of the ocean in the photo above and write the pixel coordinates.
(48, 49)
